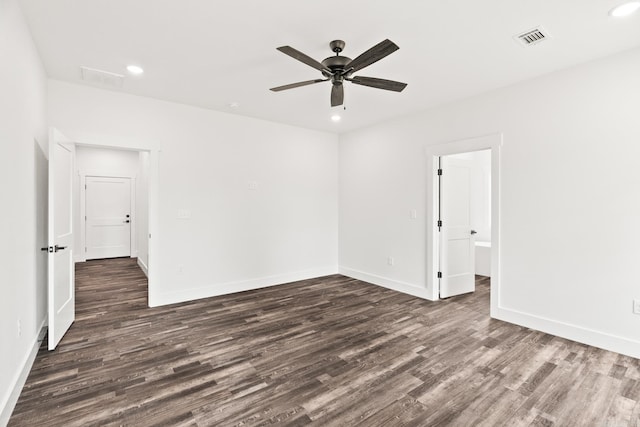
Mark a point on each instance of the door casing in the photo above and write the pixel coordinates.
(493, 142)
(153, 194)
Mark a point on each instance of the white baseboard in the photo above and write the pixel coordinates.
(385, 282)
(21, 377)
(156, 299)
(79, 258)
(564, 330)
(571, 332)
(143, 267)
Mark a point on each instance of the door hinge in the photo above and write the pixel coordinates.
(85, 249)
(439, 223)
(439, 274)
(85, 186)
(439, 172)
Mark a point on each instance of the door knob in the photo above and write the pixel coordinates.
(127, 221)
(57, 248)
(473, 232)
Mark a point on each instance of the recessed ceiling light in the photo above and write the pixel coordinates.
(135, 70)
(336, 118)
(234, 104)
(625, 9)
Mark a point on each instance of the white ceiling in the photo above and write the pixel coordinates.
(211, 53)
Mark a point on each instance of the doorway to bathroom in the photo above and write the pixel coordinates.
(463, 224)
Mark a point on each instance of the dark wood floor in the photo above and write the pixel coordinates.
(331, 351)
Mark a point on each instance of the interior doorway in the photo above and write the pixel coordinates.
(453, 233)
(112, 204)
(66, 208)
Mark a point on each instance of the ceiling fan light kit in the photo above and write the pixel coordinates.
(338, 69)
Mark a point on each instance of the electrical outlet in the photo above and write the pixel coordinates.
(390, 260)
(636, 306)
(413, 214)
(253, 185)
(19, 328)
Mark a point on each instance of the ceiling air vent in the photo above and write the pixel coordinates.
(102, 78)
(532, 37)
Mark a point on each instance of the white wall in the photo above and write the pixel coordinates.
(236, 238)
(103, 162)
(23, 186)
(570, 205)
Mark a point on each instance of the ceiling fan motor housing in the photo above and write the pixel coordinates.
(337, 64)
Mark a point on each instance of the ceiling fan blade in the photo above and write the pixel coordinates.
(372, 55)
(337, 95)
(296, 54)
(294, 85)
(378, 83)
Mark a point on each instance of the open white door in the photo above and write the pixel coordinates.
(457, 240)
(61, 278)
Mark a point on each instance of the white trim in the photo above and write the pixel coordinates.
(20, 377)
(493, 142)
(385, 282)
(569, 331)
(133, 229)
(237, 286)
(153, 227)
(143, 267)
(106, 174)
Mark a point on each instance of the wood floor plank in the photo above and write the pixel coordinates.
(330, 351)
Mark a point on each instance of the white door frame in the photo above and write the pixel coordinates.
(153, 212)
(81, 254)
(493, 142)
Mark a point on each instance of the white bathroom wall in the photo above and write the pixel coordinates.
(102, 162)
(480, 202)
(569, 213)
(23, 190)
(260, 197)
(481, 195)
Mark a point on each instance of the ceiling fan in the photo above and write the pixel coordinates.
(337, 69)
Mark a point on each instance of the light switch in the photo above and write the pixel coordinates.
(413, 214)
